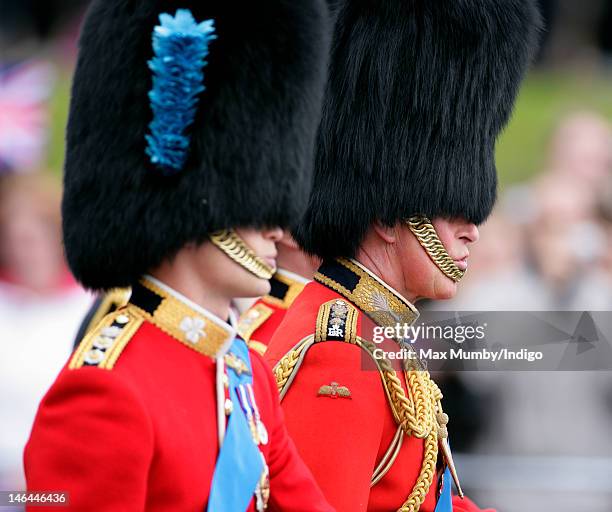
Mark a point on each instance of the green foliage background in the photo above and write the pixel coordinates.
(545, 99)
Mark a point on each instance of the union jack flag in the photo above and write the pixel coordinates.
(25, 88)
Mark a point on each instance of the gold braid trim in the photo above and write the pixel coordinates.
(416, 413)
(426, 234)
(372, 296)
(103, 345)
(111, 301)
(422, 423)
(426, 476)
(285, 368)
(232, 245)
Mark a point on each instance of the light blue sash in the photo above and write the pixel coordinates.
(239, 465)
(445, 502)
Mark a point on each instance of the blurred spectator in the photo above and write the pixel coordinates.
(542, 247)
(604, 210)
(40, 308)
(581, 149)
(547, 247)
(31, 257)
(565, 243)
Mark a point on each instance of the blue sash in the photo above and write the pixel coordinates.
(445, 502)
(240, 464)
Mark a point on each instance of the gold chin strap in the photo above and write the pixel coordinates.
(426, 235)
(231, 244)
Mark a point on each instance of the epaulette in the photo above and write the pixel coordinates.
(252, 319)
(336, 321)
(103, 345)
(105, 304)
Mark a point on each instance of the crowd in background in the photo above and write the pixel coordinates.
(548, 246)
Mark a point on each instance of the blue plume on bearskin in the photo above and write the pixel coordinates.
(181, 47)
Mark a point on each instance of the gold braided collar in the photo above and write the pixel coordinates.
(384, 305)
(181, 318)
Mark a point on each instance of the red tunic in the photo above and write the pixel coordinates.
(260, 321)
(336, 411)
(131, 422)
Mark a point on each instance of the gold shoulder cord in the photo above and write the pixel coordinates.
(426, 234)
(419, 414)
(286, 369)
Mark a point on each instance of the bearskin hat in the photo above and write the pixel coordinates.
(251, 139)
(418, 92)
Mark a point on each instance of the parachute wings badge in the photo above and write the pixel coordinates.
(334, 390)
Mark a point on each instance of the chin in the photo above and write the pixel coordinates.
(446, 290)
(255, 287)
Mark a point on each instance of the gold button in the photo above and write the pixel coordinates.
(122, 319)
(229, 406)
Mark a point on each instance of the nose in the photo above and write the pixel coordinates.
(274, 234)
(470, 234)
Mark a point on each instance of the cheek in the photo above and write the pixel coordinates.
(228, 275)
(419, 273)
(444, 230)
(257, 243)
(428, 281)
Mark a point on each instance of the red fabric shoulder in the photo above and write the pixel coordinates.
(83, 435)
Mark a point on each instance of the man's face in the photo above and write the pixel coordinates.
(422, 278)
(222, 273)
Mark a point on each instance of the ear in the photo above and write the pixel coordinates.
(386, 233)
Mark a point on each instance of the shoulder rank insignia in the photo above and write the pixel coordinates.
(103, 345)
(336, 321)
(252, 319)
(334, 390)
